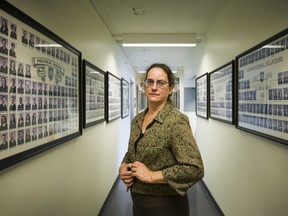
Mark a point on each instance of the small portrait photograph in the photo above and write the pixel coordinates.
(34, 87)
(40, 103)
(55, 103)
(40, 88)
(12, 67)
(45, 117)
(286, 76)
(27, 70)
(46, 133)
(4, 142)
(55, 90)
(3, 103)
(20, 69)
(27, 119)
(20, 137)
(24, 37)
(59, 103)
(37, 43)
(50, 116)
(12, 121)
(12, 139)
(59, 91)
(285, 126)
(20, 89)
(27, 103)
(12, 50)
(40, 132)
(280, 94)
(4, 123)
(45, 91)
(4, 65)
(27, 135)
(34, 133)
(12, 88)
(34, 118)
(45, 103)
(31, 40)
(3, 86)
(4, 26)
(20, 105)
(53, 52)
(3, 47)
(280, 78)
(20, 120)
(12, 106)
(13, 31)
(50, 103)
(50, 90)
(34, 103)
(51, 132)
(27, 87)
(40, 118)
(55, 116)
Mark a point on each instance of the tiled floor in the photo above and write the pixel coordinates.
(120, 203)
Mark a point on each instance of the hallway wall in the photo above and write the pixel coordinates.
(246, 174)
(74, 178)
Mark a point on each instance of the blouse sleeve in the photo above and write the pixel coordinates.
(189, 168)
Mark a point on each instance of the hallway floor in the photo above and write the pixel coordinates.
(120, 203)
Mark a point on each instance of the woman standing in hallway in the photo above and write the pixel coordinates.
(163, 160)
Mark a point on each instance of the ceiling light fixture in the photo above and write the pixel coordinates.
(143, 71)
(159, 40)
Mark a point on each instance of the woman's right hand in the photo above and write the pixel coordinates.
(125, 174)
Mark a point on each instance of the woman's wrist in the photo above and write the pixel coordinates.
(157, 177)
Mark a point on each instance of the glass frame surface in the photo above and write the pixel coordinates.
(42, 73)
(262, 89)
(94, 94)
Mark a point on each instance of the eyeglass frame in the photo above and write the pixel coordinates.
(159, 83)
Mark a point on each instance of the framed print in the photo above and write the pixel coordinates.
(202, 96)
(262, 89)
(113, 97)
(124, 98)
(221, 84)
(94, 96)
(40, 87)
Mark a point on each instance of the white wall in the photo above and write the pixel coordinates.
(246, 174)
(76, 177)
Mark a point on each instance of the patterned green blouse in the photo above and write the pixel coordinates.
(167, 145)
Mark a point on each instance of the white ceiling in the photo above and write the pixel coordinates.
(159, 16)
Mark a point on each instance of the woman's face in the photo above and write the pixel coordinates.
(156, 93)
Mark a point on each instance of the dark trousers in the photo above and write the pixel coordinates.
(144, 205)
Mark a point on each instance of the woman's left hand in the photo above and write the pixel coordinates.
(144, 174)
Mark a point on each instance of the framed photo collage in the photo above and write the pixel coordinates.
(46, 88)
(250, 91)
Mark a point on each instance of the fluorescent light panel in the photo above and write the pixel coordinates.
(158, 45)
(159, 40)
(143, 71)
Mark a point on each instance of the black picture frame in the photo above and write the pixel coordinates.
(202, 94)
(221, 90)
(45, 62)
(262, 89)
(124, 98)
(113, 97)
(94, 94)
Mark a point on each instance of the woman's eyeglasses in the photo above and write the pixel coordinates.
(159, 83)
